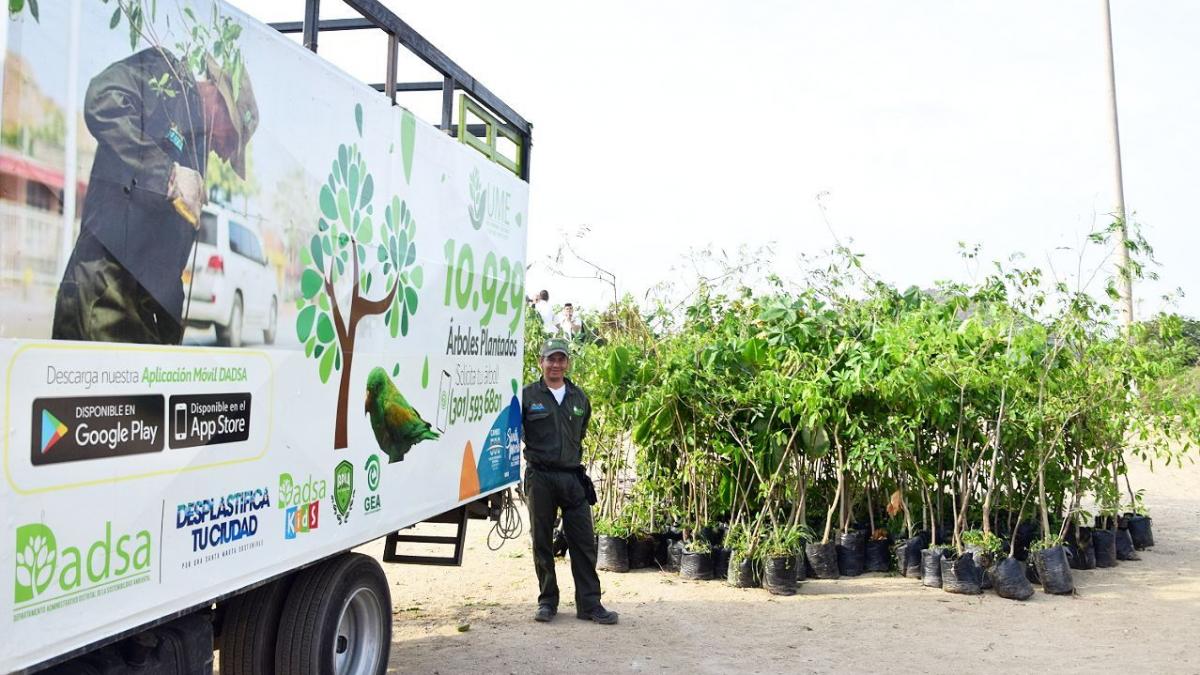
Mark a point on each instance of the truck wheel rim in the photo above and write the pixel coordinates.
(356, 646)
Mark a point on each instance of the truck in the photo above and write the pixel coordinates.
(254, 313)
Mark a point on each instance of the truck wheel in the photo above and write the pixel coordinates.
(337, 620)
(250, 627)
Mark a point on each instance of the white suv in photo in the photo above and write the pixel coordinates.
(234, 287)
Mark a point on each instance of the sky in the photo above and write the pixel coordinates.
(900, 129)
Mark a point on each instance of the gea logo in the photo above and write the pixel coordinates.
(44, 570)
(372, 503)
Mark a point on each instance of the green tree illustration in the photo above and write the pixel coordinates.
(376, 260)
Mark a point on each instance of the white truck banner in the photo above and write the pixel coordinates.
(251, 314)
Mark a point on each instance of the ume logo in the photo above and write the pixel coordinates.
(488, 203)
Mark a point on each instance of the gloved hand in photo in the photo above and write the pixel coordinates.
(185, 189)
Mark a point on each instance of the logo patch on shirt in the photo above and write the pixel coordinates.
(577, 410)
(537, 407)
(175, 137)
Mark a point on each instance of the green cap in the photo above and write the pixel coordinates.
(556, 344)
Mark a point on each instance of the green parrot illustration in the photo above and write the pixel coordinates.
(397, 425)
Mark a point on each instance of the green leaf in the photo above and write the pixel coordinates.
(304, 322)
(353, 184)
(408, 134)
(368, 191)
(410, 299)
(396, 370)
(310, 283)
(365, 232)
(325, 332)
(342, 161)
(394, 323)
(316, 253)
(412, 254)
(310, 346)
(401, 248)
(33, 9)
(112, 23)
(404, 322)
(343, 203)
(417, 276)
(326, 365)
(328, 206)
(425, 374)
(358, 114)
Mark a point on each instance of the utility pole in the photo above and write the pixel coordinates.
(1125, 272)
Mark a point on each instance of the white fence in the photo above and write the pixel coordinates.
(30, 245)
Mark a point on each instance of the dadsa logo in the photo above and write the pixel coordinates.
(49, 577)
(490, 204)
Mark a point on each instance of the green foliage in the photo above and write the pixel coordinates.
(15, 7)
(842, 399)
(985, 541)
(610, 527)
(1045, 543)
(784, 541)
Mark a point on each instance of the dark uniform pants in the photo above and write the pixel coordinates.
(547, 492)
(100, 301)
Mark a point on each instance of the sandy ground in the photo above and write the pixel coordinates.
(1139, 617)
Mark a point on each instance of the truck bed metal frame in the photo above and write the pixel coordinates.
(376, 16)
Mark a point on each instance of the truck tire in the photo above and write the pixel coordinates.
(250, 627)
(337, 620)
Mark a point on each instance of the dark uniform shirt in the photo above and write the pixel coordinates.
(141, 131)
(554, 432)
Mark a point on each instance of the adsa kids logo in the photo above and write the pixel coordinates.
(343, 491)
(48, 577)
(301, 503)
(489, 204)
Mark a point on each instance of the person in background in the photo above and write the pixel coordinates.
(569, 324)
(542, 306)
(555, 415)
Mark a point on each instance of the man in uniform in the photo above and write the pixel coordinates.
(555, 415)
(154, 125)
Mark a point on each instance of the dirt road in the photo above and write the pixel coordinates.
(1139, 617)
